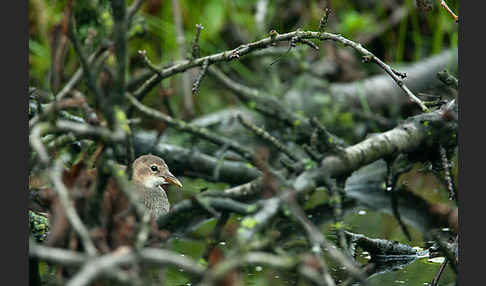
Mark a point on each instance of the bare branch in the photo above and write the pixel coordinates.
(266, 136)
(132, 10)
(56, 255)
(201, 132)
(196, 49)
(197, 82)
(444, 5)
(267, 42)
(55, 175)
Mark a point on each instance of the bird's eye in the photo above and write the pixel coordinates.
(154, 168)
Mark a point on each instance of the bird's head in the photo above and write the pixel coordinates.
(152, 172)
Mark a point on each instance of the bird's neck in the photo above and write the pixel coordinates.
(156, 201)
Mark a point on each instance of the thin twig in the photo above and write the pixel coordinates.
(182, 126)
(318, 241)
(336, 199)
(197, 82)
(88, 73)
(147, 62)
(391, 181)
(267, 42)
(396, 213)
(79, 73)
(132, 10)
(324, 19)
(271, 107)
(267, 137)
(435, 282)
(447, 173)
(314, 239)
(196, 49)
(444, 5)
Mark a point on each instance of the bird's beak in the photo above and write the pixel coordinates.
(172, 179)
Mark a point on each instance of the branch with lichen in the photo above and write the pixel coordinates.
(415, 133)
(251, 225)
(294, 37)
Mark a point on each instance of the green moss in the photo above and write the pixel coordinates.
(121, 117)
(251, 208)
(339, 225)
(107, 20)
(39, 226)
(309, 164)
(249, 222)
(119, 172)
(346, 119)
(319, 197)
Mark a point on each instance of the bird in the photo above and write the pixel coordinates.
(151, 177)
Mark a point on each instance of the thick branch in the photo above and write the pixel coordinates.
(191, 162)
(415, 133)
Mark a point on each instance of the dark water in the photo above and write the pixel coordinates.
(370, 215)
(361, 220)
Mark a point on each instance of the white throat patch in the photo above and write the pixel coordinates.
(155, 182)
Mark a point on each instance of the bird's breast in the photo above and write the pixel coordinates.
(156, 202)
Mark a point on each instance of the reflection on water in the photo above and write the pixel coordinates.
(362, 220)
(368, 213)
